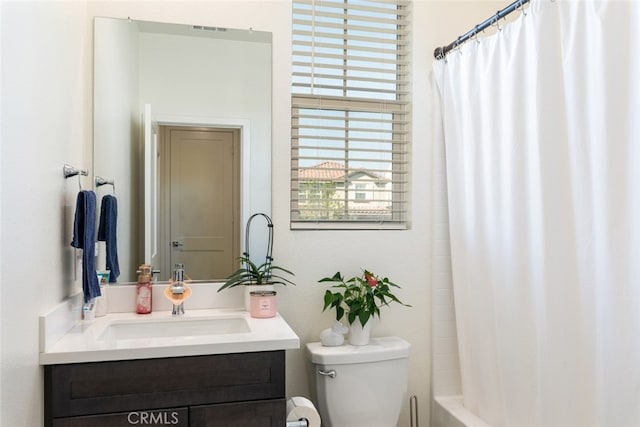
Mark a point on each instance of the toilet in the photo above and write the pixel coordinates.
(360, 386)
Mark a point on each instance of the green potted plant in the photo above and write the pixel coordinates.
(359, 298)
(250, 273)
(256, 277)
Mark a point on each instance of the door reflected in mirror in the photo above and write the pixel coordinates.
(200, 181)
(198, 81)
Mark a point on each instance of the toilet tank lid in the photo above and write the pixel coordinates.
(379, 349)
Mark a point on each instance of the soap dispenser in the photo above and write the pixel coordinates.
(144, 292)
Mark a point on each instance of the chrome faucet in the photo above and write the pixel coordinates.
(178, 290)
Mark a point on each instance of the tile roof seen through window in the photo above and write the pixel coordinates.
(332, 171)
(323, 171)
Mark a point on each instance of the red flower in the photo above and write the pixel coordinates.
(371, 280)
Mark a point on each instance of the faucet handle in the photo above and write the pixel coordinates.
(148, 270)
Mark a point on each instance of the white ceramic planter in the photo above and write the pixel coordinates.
(358, 334)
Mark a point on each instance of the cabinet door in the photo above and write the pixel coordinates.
(177, 417)
(128, 385)
(266, 413)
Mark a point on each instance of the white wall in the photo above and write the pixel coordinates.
(46, 112)
(46, 121)
(1, 226)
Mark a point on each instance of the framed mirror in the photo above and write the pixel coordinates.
(182, 128)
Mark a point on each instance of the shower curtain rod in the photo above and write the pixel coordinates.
(441, 52)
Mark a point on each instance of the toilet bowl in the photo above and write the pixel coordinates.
(360, 386)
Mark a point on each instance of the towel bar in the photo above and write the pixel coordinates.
(70, 171)
(100, 181)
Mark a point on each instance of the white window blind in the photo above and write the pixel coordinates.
(350, 113)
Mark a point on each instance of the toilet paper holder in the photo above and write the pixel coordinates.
(302, 413)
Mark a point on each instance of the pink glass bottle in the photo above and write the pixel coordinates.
(144, 294)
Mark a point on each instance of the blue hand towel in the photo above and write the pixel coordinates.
(107, 233)
(84, 237)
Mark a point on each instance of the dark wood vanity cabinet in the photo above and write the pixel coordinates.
(222, 390)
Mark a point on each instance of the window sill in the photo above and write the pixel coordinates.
(348, 226)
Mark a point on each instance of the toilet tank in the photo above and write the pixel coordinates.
(361, 386)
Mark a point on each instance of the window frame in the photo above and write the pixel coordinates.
(399, 111)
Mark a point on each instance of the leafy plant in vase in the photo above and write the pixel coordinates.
(360, 299)
(256, 277)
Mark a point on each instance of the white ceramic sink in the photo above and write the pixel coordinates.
(123, 336)
(173, 328)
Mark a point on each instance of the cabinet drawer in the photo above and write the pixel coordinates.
(271, 413)
(128, 385)
(177, 417)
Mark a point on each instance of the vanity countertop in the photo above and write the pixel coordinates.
(124, 336)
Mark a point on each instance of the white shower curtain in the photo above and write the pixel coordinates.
(541, 124)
